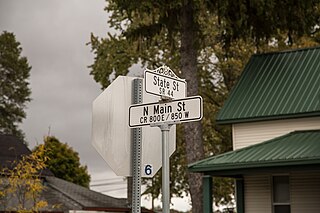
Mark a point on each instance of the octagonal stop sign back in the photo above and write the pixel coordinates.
(111, 135)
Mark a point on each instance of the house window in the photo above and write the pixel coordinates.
(281, 194)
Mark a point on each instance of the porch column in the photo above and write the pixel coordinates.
(240, 195)
(207, 194)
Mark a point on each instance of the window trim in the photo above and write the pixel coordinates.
(273, 204)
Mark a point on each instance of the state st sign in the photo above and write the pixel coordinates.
(163, 82)
(177, 111)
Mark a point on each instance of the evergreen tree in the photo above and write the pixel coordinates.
(14, 85)
(64, 162)
(207, 43)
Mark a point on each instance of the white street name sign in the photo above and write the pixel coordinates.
(163, 82)
(179, 110)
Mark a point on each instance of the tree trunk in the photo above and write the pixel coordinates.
(193, 130)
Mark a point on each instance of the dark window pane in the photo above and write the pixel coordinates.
(282, 209)
(281, 190)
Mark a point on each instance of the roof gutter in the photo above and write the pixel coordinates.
(267, 118)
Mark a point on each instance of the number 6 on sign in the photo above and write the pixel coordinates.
(148, 170)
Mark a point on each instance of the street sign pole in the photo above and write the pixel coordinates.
(165, 168)
(136, 152)
(165, 128)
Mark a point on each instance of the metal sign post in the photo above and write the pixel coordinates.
(165, 167)
(136, 152)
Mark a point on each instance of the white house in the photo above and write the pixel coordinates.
(274, 111)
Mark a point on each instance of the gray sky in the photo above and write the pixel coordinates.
(53, 35)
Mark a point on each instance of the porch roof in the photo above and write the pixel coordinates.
(296, 149)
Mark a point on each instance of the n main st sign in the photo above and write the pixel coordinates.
(176, 111)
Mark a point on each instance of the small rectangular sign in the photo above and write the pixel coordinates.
(179, 110)
(161, 85)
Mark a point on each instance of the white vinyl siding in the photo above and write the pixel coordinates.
(246, 134)
(257, 193)
(305, 192)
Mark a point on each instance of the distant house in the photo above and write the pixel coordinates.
(65, 195)
(274, 111)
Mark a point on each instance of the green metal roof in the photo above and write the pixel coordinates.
(299, 148)
(276, 85)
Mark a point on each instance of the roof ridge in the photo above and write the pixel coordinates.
(305, 130)
(299, 49)
(61, 191)
(277, 138)
(70, 195)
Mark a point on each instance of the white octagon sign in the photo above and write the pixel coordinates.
(111, 135)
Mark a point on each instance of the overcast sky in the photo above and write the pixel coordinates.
(53, 35)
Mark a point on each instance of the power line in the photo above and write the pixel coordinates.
(108, 184)
(112, 190)
(107, 179)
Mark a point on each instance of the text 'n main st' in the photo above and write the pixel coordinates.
(163, 113)
(174, 111)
